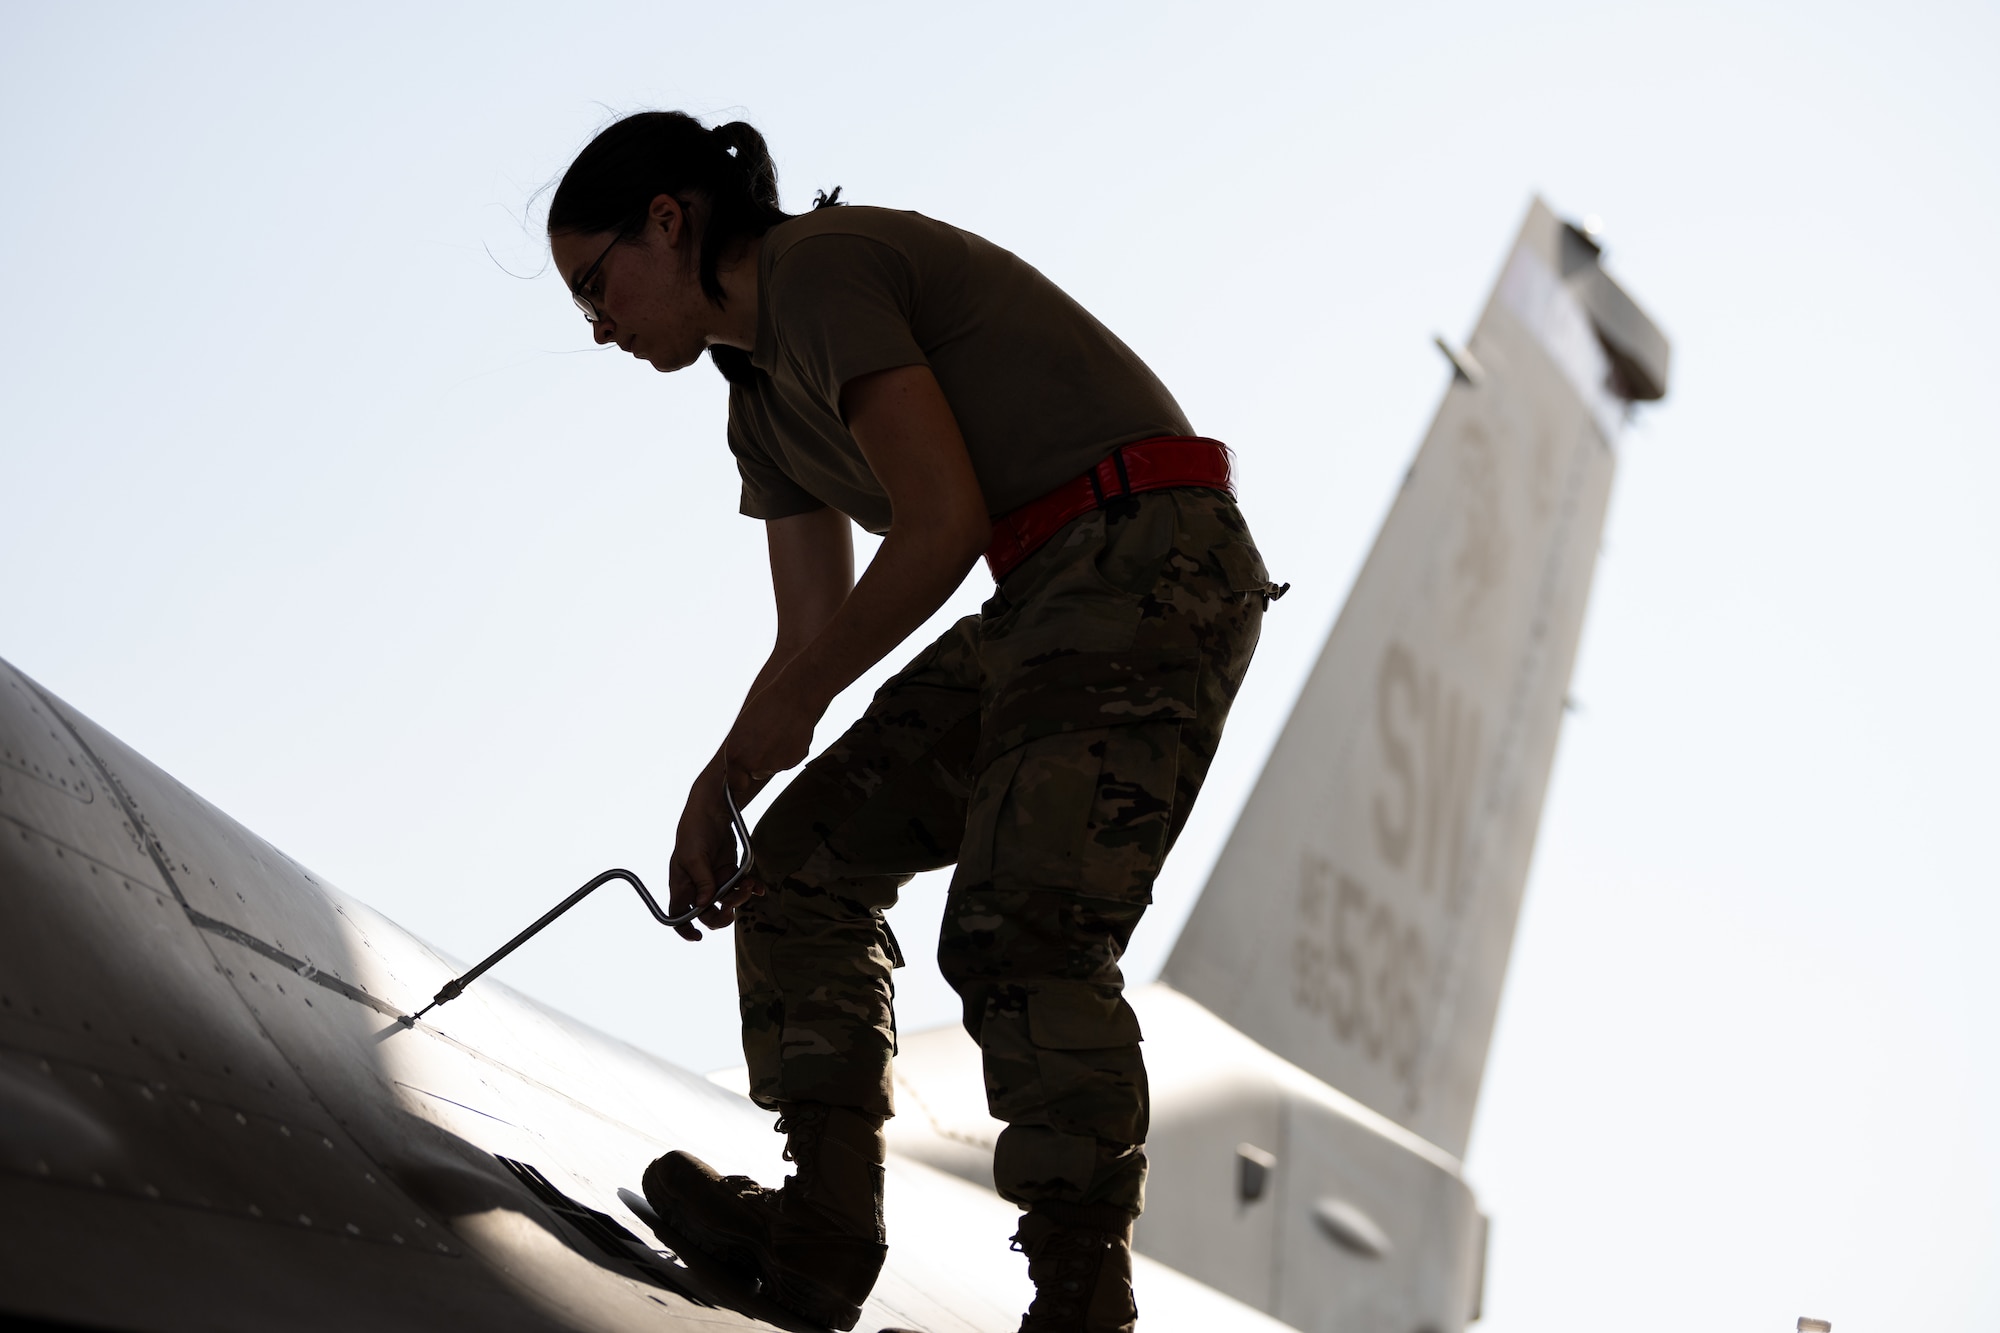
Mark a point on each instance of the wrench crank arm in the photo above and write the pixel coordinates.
(456, 986)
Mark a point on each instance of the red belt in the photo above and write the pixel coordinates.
(1157, 464)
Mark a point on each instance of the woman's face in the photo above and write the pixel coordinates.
(646, 291)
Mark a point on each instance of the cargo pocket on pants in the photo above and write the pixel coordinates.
(1082, 790)
(1084, 811)
(1064, 1055)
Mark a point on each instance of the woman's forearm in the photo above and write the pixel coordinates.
(782, 653)
(938, 526)
(913, 572)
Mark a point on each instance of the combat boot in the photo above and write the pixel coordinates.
(1080, 1258)
(817, 1243)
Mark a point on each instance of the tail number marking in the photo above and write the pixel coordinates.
(1430, 749)
(1358, 964)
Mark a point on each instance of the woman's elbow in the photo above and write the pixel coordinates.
(953, 537)
(975, 534)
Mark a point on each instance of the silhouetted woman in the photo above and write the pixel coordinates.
(893, 371)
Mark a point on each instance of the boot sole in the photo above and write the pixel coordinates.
(810, 1302)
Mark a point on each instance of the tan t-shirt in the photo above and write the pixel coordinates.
(1041, 390)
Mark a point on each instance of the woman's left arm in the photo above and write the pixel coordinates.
(938, 526)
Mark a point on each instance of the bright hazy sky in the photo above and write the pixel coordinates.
(312, 491)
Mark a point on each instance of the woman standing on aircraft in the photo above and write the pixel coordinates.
(894, 371)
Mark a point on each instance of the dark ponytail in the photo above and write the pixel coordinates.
(615, 179)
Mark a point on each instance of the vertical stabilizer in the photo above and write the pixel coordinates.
(1360, 917)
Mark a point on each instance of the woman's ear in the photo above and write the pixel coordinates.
(667, 213)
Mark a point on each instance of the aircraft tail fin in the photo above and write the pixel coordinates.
(1360, 917)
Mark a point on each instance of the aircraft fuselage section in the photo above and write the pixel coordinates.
(204, 1091)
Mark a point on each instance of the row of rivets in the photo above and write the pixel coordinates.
(152, 1191)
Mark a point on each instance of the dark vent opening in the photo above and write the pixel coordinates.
(603, 1230)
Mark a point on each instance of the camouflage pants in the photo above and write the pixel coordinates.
(1052, 746)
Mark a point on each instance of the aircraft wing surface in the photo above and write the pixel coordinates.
(211, 1119)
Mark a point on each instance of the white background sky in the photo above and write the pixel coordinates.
(308, 499)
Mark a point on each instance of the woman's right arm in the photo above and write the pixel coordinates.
(812, 571)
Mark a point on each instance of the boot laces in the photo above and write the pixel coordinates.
(1064, 1267)
(801, 1123)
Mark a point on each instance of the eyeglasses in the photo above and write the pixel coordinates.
(578, 290)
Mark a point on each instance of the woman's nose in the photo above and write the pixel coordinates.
(603, 332)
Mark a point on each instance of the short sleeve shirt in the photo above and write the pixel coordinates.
(1041, 390)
